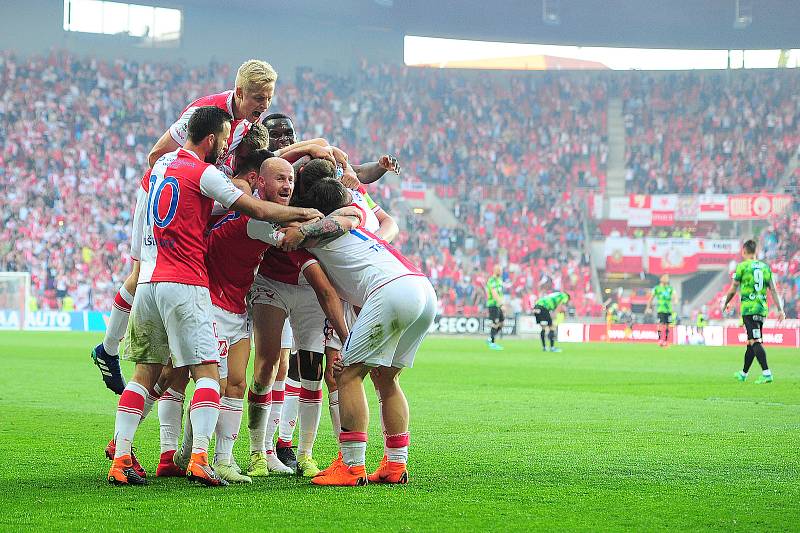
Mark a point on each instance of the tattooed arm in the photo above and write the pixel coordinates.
(322, 231)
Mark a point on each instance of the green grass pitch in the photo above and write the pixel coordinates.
(599, 437)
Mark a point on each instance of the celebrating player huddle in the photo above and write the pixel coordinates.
(228, 239)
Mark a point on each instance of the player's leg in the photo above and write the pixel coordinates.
(106, 354)
(309, 410)
(286, 417)
(268, 320)
(395, 414)
(756, 332)
(129, 414)
(170, 417)
(274, 462)
(230, 414)
(498, 327)
(149, 349)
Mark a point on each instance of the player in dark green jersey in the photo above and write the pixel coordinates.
(752, 279)
(543, 310)
(494, 304)
(664, 295)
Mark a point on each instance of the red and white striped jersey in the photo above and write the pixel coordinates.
(286, 267)
(181, 192)
(358, 263)
(235, 248)
(239, 128)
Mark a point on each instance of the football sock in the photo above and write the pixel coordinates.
(150, 401)
(170, 413)
(749, 355)
(551, 335)
(543, 336)
(129, 413)
(309, 411)
(354, 447)
(230, 419)
(333, 407)
(289, 412)
(666, 332)
(203, 412)
(118, 321)
(278, 396)
(761, 355)
(259, 403)
(396, 447)
(493, 333)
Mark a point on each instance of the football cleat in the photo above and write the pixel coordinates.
(496, 347)
(307, 466)
(258, 465)
(275, 465)
(740, 376)
(180, 459)
(343, 476)
(167, 467)
(109, 367)
(123, 473)
(287, 457)
(228, 473)
(111, 450)
(764, 379)
(335, 464)
(389, 472)
(200, 471)
(555, 350)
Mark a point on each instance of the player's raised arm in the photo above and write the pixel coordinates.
(328, 298)
(375, 170)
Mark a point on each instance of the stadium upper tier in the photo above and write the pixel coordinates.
(512, 154)
(709, 132)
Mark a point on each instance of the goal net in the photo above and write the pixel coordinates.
(15, 290)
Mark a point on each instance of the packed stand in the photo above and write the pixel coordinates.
(706, 132)
(76, 133)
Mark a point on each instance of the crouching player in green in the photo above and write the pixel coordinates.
(543, 310)
(752, 279)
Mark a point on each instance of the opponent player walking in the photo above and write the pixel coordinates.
(664, 295)
(752, 279)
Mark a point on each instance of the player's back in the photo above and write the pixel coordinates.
(177, 214)
(754, 277)
(358, 263)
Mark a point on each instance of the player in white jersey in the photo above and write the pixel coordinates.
(398, 305)
(171, 311)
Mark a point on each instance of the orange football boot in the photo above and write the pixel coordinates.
(199, 470)
(342, 476)
(390, 472)
(123, 473)
(111, 449)
(334, 465)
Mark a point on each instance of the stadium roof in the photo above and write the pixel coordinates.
(640, 23)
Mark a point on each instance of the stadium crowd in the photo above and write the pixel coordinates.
(512, 156)
(709, 132)
(76, 132)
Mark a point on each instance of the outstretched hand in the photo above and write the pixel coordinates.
(390, 163)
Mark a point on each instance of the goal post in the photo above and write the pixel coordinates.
(15, 291)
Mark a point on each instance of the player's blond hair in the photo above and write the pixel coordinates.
(255, 74)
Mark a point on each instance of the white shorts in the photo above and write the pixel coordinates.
(392, 324)
(287, 337)
(331, 337)
(300, 304)
(171, 319)
(229, 328)
(137, 229)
